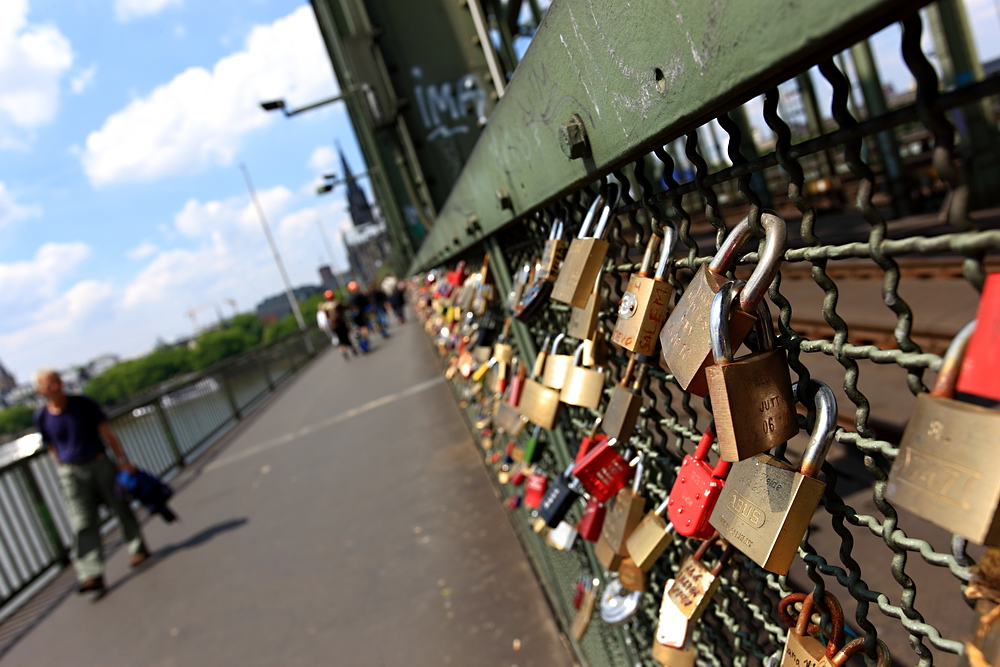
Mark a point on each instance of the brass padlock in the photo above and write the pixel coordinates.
(801, 648)
(766, 504)
(556, 365)
(752, 399)
(539, 403)
(552, 254)
(943, 470)
(650, 538)
(503, 351)
(586, 253)
(623, 516)
(685, 340)
(631, 575)
(508, 419)
(644, 305)
(583, 321)
(625, 402)
(584, 386)
(619, 603)
(696, 584)
(578, 628)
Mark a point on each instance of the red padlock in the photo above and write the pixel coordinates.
(513, 502)
(535, 489)
(589, 440)
(516, 386)
(696, 490)
(982, 357)
(592, 520)
(518, 476)
(603, 472)
(509, 452)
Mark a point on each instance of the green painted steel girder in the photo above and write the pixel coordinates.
(636, 75)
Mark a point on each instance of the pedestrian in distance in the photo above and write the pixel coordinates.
(379, 299)
(397, 300)
(358, 301)
(323, 315)
(342, 329)
(75, 430)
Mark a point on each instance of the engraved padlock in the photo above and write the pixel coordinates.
(943, 470)
(618, 603)
(539, 403)
(696, 489)
(645, 303)
(553, 253)
(583, 321)
(603, 472)
(625, 402)
(586, 253)
(584, 386)
(801, 647)
(695, 584)
(685, 340)
(650, 538)
(752, 399)
(592, 520)
(631, 575)
(766, 504)
(672, 625)
(558, 500)
(623, 516)
(556, 365)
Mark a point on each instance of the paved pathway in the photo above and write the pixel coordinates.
(349, 522)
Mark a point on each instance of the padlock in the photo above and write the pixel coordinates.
(650, 538)
(513, 502)
(669, 656)
(553, 253)
(519, 474)
(556, 365)
(766, 504)
(539, 403)
(503, 351)
(588, 441)
(631, 575)
(558, 500)
(618, 603)
(562, 536)
(982, 358)
(644, 305)
(623, 516)
(672, 626)
(592, 520)
(484, 290)
(603, 472)
(588, 600)
(856, 646)
(535, 488)
(625, 402)
(506, 418)
(521, 281)
(586, 253)
(533, 301)
(942, 472)
(801, 647)
(695, 584)
(516, 383)
(530, 452)
(583, 321)
(752, 399)
(696, 490)
(583, 386)
(685, 340)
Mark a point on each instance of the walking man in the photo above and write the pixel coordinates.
(75, 430)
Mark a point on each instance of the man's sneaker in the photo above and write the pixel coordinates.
(87, 585)
(138, 558)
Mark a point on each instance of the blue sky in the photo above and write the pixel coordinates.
(122, 127)
(122, 206)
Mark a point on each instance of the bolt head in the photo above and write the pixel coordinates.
(573, 138)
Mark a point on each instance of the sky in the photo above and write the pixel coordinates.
(123, 125)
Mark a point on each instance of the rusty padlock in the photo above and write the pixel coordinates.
(752, 399)
(602, 471)
(645, 303)
(801, 647)
(695, 584)
(766, 504)
(583, 387)
(671, 638)
(586, 252)
(685, 340)
(946, 470)
(696, 490)
(856, 646)
(625, 402)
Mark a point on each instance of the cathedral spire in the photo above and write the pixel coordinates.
(357, 202)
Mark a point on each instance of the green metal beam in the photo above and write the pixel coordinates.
(638, 76)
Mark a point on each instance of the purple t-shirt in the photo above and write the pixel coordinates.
(73, 432)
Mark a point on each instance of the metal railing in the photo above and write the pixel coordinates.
(161, 432)
(659, 149)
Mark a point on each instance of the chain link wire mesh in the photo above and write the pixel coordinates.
(704, 189)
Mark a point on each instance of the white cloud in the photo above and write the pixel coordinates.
(11, 211)
(40, 276)
(200, 117)
(322, 158)
(127, 10)
(83, 80)
(142, 251)
(235, 214)
(33, 60)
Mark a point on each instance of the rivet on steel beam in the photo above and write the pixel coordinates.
(573, 138)
(503, 194)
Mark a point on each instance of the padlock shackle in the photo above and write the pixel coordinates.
(555, 343)
(629, 369)
(804, 620)
(578, 355)
(667, 245)
(727, 555)
(647, 257)
(543, 353)
(721, 469)
(768, 264)
(556, 231)
(703, 547)
(856, 646)
(639, 375)
(639, 469)
(718, 320)
(604, 196)
(951, 365)
(705, 444)
(826, 427)
(610, 202)
(766, 338)
(662, 507)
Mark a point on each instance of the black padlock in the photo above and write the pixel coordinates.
(559, 497)
(533, 301)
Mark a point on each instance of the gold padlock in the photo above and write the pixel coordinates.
(943, 470)
(552, 253)
(766, 504)
(625, 403)
(583, 321)
(685, 340)
(584, 386)
(632, 576)
(650, 538)
(752, 399)
(539, 403)
(623, 516)
(506, 418)
(644, 305)
(696, 584)
(556, 365)
(586, 253)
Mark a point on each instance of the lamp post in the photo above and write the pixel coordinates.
(275, 105)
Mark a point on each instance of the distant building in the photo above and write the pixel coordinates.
(7, 380)
(357, 202)
(273, 308)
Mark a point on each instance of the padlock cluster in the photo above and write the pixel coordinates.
(736, 495)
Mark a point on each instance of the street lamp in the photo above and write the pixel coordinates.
(275, 105)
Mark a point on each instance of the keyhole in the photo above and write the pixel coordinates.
(661, 81)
